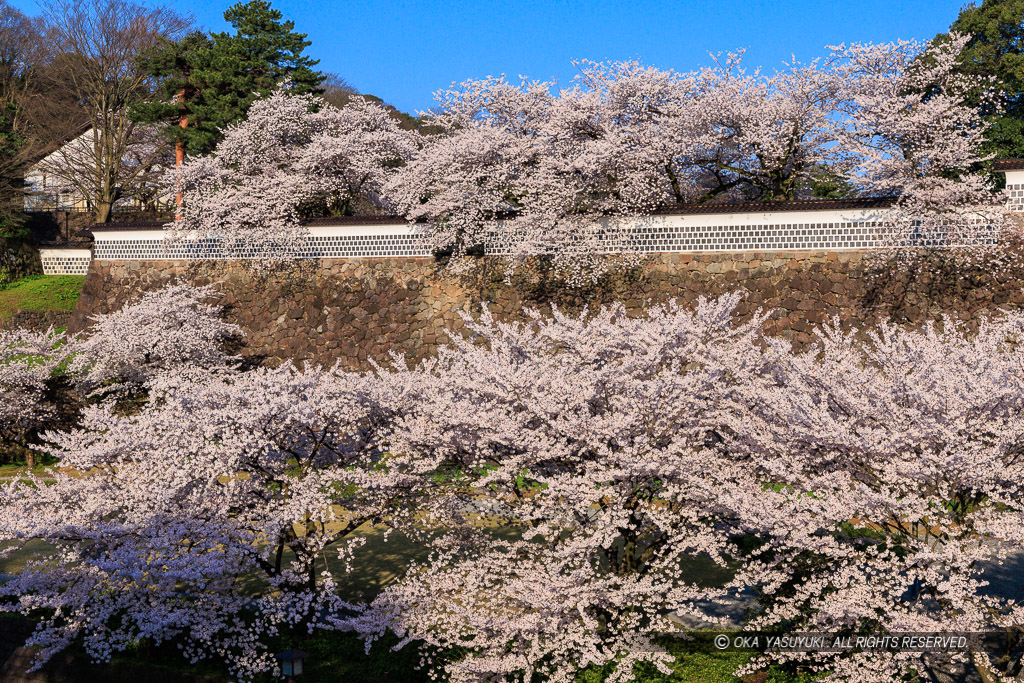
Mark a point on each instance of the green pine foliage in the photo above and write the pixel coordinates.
(996, 50)
(263, 52)
(213, 79)
(178, 68)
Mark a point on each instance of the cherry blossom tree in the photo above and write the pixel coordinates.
(47, 377)
(28, 360)
(522, 170)
(528, 169)
(513, 170)
(169, 330)
(163, 520)
(904, 452)
(768, 133)
(910, 133)
(585, 437)
(585, 485)
(862, 485)
(291, 151)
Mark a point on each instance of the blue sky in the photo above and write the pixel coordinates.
(403, 51)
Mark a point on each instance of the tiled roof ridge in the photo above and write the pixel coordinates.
(1008, 165)
(689, 209)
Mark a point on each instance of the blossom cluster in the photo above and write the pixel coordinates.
(581, 485)
(161, 336)
(292, 155)
(171, 329)
(27, 363)
(533, 169)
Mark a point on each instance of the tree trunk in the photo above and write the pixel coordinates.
(179, 157)
(104, 209)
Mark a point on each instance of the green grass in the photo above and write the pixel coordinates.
(699, 661)
(16, 470)
(41, 293)
(19, 471)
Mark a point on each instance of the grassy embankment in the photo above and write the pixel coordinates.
(40, 293)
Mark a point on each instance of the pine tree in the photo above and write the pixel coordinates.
(177, 65)
(996, 49)
(263, 53)
(209, 82)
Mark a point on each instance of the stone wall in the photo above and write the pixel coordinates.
(356, 309)
(36, 320)
(18, 259)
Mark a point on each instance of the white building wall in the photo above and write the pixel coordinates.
(46, 191)
(65, 261)
(1015, 188)
(741, 231)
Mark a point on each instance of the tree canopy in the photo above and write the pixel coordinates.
(10, 146)
(209, 81)
(996, 29)
(576, 484)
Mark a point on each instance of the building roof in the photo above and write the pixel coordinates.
(783, 205)
(692, 209)
(357, 220)
(134, 225)
(61, 244)
(1008, 165)
(69, 135)
(327, 220)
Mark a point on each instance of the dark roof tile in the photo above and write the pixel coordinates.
(77, 244)
(784, 205)
(1008, 165)
(692, 209)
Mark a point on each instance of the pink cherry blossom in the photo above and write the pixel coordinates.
(162, 332)
(247, 198)
(583, 485)
(862, 484)
(28, 360)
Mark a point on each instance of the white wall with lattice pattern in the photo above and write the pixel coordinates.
(740, 231)
(710, 229)
(1015, 190)
(59, 261)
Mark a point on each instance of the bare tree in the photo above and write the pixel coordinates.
(20, 42)
(21, 54)
(337, 90)
(94, 48)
